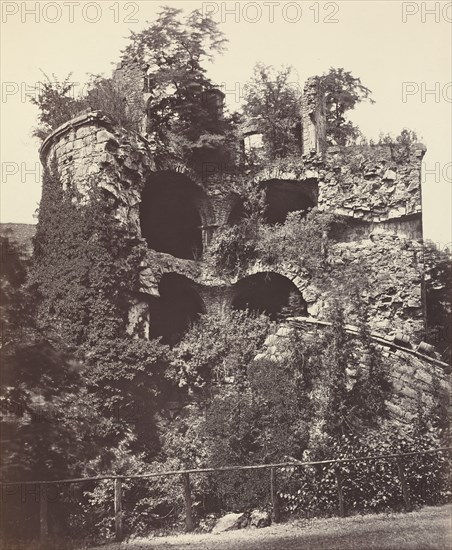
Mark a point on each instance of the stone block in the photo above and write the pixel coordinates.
(227, 523)
(389, 175)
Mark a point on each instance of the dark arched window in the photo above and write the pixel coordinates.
(169, 219)
(269, 293)
(237, 214)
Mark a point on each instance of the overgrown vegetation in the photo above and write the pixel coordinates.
(186, 110)
(75, 378)
(438, 298)
(303, 240)
(185, 116)
(58, 102)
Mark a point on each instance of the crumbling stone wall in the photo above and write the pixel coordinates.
(411, 374)
(372, 189)
(313, 118)
(130, 79)
(372, 183)
(394, 268)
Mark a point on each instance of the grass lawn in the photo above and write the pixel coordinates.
(427, 529)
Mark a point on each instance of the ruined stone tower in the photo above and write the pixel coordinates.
(177, 213)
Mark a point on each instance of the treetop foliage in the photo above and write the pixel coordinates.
(273, 103)
(175, 43)
(343, 92)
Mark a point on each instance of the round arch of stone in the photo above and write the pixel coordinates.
(224, 290)
(299, 277)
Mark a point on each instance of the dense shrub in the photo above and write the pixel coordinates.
(302, 240)
(368, 485)
(218, 348)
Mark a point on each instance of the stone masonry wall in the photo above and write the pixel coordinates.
(130, 80)
(394, 268)
(313, 117)
(90, 151)
(372, 183)
(410, 374)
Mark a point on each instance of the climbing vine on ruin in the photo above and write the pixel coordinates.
(85, 271)
(94, 258)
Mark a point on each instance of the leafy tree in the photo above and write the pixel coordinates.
(56, 103)
(343, 92)
(272, 103)
(14, 302)
(48, 426)
(181, 108)
(174, 46)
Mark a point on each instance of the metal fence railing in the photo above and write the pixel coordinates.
(186, 488)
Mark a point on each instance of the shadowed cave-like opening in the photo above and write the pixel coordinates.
(283, 197)
(169, 219)
(269, 293)
(179, 305)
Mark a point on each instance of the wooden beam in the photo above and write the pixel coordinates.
(118, 510)
(340, 491)
(274, 496)
(189, 526)
(229, 468)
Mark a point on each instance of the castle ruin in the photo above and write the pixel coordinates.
(177, 212)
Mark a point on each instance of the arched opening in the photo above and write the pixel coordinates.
(178, 306)
(170, 222)
(269, 293)
(283, 197)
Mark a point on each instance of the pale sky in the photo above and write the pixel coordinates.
(396, 48)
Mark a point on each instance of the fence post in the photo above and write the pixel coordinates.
(405, 488)
(43, 515)
(274, 496)
(187, 501)
(340, 492)
(118, 509)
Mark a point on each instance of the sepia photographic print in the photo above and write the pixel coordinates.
(226, 275)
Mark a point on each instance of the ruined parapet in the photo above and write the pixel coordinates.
(313, 117)
(131, 80)
(213, 98)
(373, 183)
(90, 151)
